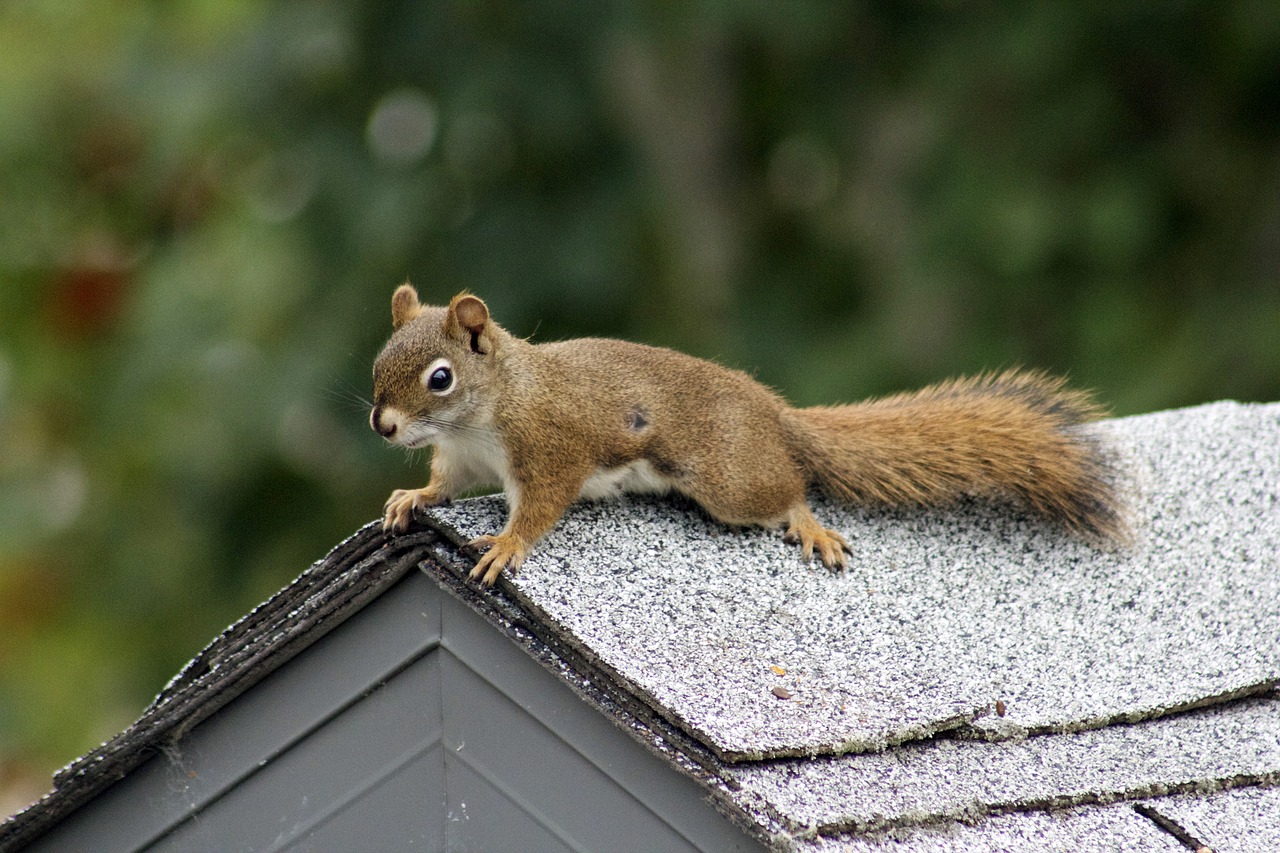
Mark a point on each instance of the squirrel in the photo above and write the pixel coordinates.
(591, 418)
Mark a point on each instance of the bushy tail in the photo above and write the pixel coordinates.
(1007, 435)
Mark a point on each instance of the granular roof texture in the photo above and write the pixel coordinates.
(940, 613)
(976, 681)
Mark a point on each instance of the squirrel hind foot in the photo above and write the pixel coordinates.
(803, 529)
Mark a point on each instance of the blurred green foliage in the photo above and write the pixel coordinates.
(205, 205)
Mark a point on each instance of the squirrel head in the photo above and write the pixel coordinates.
(437, 373)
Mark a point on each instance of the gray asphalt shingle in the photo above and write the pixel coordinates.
(1234, 821)
(940, 613)
(958, 780)
(1086, 830)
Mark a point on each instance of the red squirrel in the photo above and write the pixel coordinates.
(590, 418)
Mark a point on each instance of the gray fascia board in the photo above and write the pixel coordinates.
(353, 574)
(187, 773)
(649, 776)
(610, 707)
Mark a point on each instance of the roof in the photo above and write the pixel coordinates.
(973, 678)
(351, 576)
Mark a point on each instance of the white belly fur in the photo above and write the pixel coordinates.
(639, 477)
(480, 460)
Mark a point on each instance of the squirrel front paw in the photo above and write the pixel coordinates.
(404, 503)
(503, 551)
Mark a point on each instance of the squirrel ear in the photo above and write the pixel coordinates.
(469, 317)
(404, 305)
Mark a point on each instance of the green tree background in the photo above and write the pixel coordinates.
(205, 205)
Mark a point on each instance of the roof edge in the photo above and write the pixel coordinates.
(355, 572)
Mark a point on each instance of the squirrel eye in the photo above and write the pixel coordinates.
(440, 379)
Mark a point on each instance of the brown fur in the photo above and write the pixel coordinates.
(1009, 435)
(546, 422)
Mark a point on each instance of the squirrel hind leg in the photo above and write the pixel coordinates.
(803, 529)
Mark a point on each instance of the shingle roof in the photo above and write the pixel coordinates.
(948, 779)
(939, 615)
(1143, 677)
(354, 573)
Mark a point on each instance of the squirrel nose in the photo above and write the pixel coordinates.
(375, 421)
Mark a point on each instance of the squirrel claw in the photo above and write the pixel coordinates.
(403, 505)
(812, 537)
(496, 553)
